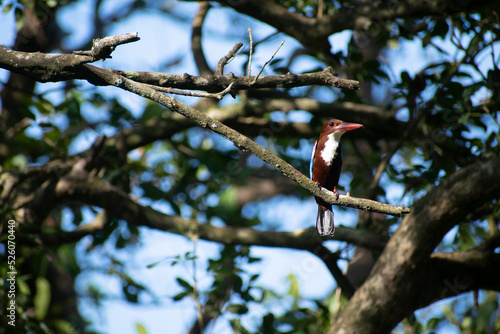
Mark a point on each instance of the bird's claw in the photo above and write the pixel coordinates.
(336, 192)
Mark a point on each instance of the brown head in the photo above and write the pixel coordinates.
(336, 125)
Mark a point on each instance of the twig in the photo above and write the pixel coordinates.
(218, 96)
(266, 38)
(234, 57)
(224, 92)
(224, 60)
(267, 62)
(103, 47)
(249, 72)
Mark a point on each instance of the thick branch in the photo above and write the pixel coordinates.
(388, 295)
(451, 274)
(56, 67)
(196, 38)
(60, 67)
(314, 32)
(117, 203)
(327, 77)
(243, 142)
(306, 30)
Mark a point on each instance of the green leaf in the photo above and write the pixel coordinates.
(140, 328)
(254, 259)
(180, 296)
(238, 327)
(24, 288)
(294, 286)
(432, 323)
(253, 277)
(154, 264)
(64, 326)
(237, 309)
(185, 284)
(42, 297)
(7, 8)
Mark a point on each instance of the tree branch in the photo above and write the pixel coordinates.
(224, 60)
(330, 260)
(314, 32)
(234, 116)
(59, 67)
(75, 186)
(242, 142)
(327, 77)
(196, 37)
(405, 257)
(71, 181)
(56, 67)
(103, 47)
(101, 76)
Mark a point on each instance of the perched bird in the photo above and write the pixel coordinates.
(325, 167)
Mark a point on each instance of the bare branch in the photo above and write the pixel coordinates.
(320, 9)
(56, 67)
(249, 71)
(314, 32)
(267, 62)
(196, 38)
(60, 67)
(327, 77)
(219, 71)
(218, 96)
(244, 142)
(59, 238)
(103, 47)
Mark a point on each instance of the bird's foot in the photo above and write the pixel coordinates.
(317, 184)
(336, 192)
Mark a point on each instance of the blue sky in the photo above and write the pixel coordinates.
(163, 39)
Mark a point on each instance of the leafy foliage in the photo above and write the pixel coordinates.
(449, 106)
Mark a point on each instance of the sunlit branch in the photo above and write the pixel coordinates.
(224, 60)
(245, 143)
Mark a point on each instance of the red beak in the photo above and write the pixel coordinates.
(348, 126)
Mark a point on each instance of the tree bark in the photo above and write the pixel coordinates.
(407, 276)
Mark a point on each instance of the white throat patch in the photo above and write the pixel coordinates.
(331, 145)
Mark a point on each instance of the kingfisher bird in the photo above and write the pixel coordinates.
(325, 167)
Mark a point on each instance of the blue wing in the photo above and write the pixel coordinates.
(312, 160)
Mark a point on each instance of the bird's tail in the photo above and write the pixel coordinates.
(324, 221)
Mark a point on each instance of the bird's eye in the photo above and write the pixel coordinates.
(331, 123)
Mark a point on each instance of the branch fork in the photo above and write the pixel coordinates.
(103, 47)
